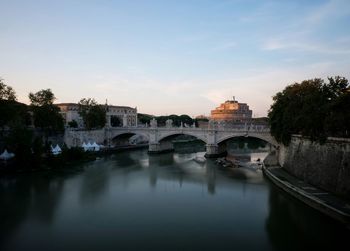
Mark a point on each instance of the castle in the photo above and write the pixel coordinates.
(233, 111)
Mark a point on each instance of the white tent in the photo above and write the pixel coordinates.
(85, 146)
(95, 147)
(89, 146)
(6, 155)
(57, 150)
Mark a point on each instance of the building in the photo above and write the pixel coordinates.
(232, 111)
(202, 121)
(202, 117)
(126, 116)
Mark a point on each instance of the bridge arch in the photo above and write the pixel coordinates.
(267, 138)
(164, 141)
(174, 134)
(123, 138)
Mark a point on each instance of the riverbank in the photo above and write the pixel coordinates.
(325, 202)
(68, 157)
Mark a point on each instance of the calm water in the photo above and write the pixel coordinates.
(133, 201)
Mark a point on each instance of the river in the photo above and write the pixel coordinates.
(134, 201)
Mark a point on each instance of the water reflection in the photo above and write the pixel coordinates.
(28, 198)
(290, 221)
(95, 181)
(135, 201)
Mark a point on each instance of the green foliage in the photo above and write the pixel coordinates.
(46, 115)
(93, 114)
(6, 92)
(13, 113)
(144, 118)
(41, 98)
(185, 119)
(337, 122)
(73, 124)
(19, 141)
(48, 118)
(312, 108)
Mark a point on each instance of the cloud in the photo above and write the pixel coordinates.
(284, 43)
(257, 89)
(302, 33)
(328, 11)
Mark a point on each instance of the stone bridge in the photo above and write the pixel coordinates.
(160, 138)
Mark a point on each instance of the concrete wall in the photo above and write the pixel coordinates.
(75, 138)
(325, 166)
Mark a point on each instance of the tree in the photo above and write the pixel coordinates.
(7, 92)
(46, 115)
(42, 98)
(93, 114)
(144, 118)
(311, 108)
(19, 141)
(11, 111)
(338, 122)
(185, 119)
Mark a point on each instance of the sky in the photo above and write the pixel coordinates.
(171, 56)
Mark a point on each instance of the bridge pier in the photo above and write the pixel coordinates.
(215, 150)
(159, 147)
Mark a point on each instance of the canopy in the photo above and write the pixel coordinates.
(95, 147)
(6, 155)
(85, 146)
(56, 150)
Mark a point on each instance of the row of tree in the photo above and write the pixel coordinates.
(25, 130)
(43, 113)
(16, 136)
(177, 119)
(313, 108)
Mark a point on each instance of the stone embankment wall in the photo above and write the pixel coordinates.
(326, 166)
(75, 138)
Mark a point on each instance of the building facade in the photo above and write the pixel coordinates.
(232, 111)
(126, 116)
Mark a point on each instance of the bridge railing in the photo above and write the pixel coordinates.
(250, 128)
(240, 128)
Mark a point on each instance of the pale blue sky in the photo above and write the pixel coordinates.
(171, 56)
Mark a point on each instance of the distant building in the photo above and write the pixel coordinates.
(202, 121)
(231, 110)
(202, 117)
(127, 116)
